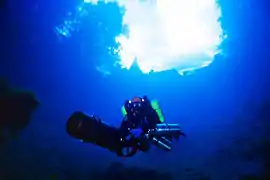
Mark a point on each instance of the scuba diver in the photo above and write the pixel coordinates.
(143, 125)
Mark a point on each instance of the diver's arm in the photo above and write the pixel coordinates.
(124, 124)
(123, 131)
(152, 118)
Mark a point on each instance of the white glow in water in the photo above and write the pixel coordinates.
(169, 34)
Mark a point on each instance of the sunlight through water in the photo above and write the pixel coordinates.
(169, 34)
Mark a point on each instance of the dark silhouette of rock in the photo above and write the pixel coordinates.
(16, 107)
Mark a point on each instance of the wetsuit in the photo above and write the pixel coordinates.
(146, 119)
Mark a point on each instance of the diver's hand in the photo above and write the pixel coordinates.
(135, 133)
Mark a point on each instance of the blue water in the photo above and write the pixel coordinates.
(219, 107)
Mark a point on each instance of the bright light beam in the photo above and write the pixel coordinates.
(169, 34)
